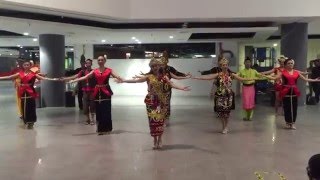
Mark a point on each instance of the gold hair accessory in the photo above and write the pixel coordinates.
(282, 59)
(224, 61)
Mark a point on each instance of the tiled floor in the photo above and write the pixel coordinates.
(61, 147)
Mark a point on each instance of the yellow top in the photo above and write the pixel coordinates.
(249, 73)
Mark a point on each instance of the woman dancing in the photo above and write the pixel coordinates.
(102, 95)
(156, 99)
(224, 96)
(289, 92)
(27, 93)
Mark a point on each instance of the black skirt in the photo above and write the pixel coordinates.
(28, 107)
(103, 114)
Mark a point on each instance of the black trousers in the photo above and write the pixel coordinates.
(290, 106)
(316, 90)
(80, 96)
(28, 107)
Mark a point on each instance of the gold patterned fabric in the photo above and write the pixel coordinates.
(155, 104)
(224, 96)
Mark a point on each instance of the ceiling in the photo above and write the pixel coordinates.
(94, 32)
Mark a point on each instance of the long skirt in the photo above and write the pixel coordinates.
(156, 118)
(28, 108)
(248, 97)
(103, 116)
(290, 106)
(223, 105)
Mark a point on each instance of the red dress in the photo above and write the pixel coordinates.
(277, 84)
(26, 84)
(289, 83)
(102, 94)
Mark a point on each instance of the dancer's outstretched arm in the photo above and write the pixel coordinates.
(175, 86)
(13, 76)
(136, 80)
(268, 72)
(180, 77)
(46, 78)
(82, 78)
(242, 79)
(206, 77)
(309, 80)
(115, 75)
(69, 78)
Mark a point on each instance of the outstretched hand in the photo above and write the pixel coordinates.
(118, 80)
(186, 88)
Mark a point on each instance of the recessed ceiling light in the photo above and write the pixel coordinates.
(35, 39)
(26, 34)
(133, 38)
(21, 47)
(275, 44)
(71, 49)
(10, 54)
(171, 37)
(213, 55)
(139, 42)
(103, 40)
(18, 45)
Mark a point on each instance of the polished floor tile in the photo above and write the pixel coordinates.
(62, 147)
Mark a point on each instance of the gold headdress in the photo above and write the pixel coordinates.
(282, 58)
(163, 60)
(153, 61)
(223, 60)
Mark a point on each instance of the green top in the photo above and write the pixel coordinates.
(249, 73)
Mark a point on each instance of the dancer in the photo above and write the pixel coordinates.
(156, 99)
(87, 89)
(27, 93)
(289, 92)
(224, 96)
(277, 83)
(102, 94)
(248, 89)
(170, 72)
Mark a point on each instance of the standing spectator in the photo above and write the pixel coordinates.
(315, 73)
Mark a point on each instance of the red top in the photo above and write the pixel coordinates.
(26, 85)
(289, 82)
(87, 86)
(102, 80)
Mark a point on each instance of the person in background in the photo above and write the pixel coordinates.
(309, 70)
(313, 168)
(87, 89)
(78, 88)
(315, 73)
(169, 71)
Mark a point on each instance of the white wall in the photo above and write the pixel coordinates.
(180, 9)
(129, 68)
